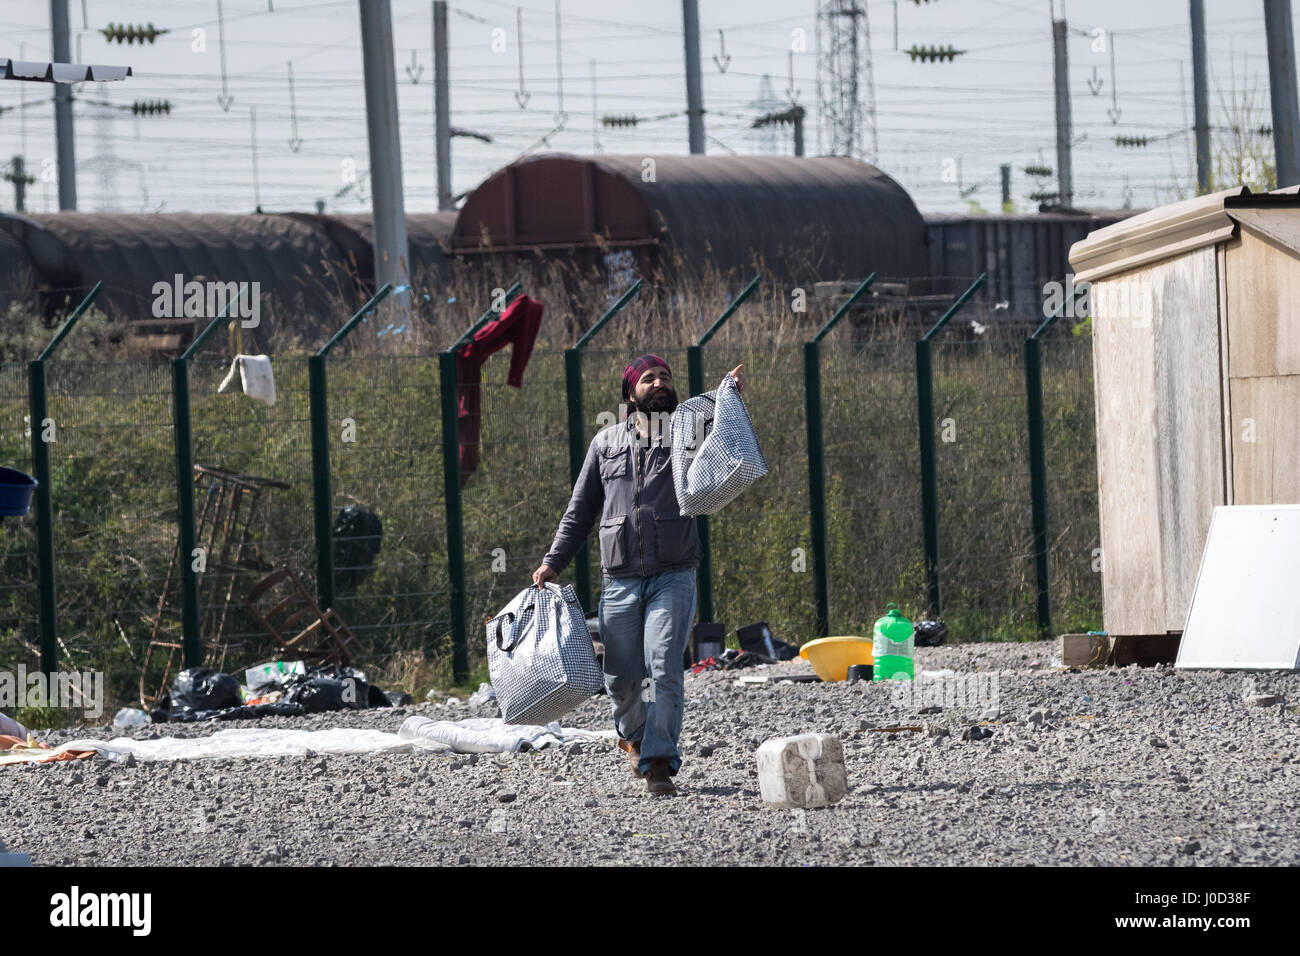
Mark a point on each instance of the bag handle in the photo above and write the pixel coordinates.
(509, 616)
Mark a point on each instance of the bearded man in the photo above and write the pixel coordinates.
(649, 553)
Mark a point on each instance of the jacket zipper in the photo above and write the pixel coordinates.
(640, 549)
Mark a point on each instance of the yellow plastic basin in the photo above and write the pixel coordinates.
(831, 657)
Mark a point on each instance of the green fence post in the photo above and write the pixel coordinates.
(577, 452)
(38, 409)
(577, 433)
(1038, 471)
(191, 652)
(695, 377)
(452, 499)
(925, 429)
(812, 373)
(322, 493)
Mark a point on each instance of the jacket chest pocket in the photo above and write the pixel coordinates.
(613, 463)
(613, 542)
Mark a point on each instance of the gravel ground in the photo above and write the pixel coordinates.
(1114, 767)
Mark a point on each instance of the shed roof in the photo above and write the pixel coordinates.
(1174, 229)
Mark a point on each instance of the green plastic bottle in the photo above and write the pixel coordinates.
(892, 648)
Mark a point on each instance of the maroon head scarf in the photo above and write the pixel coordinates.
(637, 368)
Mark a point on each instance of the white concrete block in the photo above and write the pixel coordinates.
(803, 771)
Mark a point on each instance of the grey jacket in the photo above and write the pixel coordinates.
(627, 481)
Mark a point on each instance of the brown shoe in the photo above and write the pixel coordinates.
(659, 780)
(633, 748)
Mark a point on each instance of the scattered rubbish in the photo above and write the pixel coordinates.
(230, 511)
(894, 730)
(273, 673)
(484, 695)
(319, 694)
(976, 732)
(752, 679)
(802, 678)
(399, 698)
(199, 689)
(930, 633)
(758, 640)
(831, 657)
(859, 672)
(946, 672)
(729, 660)
(802, 771)
(130, 717)
(892, 646)
(202, 694)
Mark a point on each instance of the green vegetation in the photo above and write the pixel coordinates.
(115, 493)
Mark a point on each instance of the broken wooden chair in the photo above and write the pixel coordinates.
(296, 622)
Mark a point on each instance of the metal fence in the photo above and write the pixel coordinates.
(378, 432)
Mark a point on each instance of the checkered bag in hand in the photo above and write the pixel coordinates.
(540, 655)
(727, 460)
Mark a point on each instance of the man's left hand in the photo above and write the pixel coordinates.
(739, 375)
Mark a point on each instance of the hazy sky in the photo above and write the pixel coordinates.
(992, 105)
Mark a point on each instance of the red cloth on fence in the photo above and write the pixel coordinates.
(517, 326)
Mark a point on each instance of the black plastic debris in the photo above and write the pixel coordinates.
(218, 697)
(758, 640)
(930, 633)
(333, 688)
(358, 534)
(198, 689)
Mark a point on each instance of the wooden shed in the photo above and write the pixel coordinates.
(1196, 367)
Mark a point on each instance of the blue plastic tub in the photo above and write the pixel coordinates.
(16, 489)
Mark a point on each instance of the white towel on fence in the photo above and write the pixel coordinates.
(254, 376)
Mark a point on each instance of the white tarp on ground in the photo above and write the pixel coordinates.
(471, 735)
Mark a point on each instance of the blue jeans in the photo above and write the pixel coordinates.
(644, 625)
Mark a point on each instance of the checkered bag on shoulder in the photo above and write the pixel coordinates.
(713, 465)
(540, 655)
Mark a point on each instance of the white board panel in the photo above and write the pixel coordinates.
(1245, 611)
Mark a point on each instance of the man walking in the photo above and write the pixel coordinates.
(648, 556)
